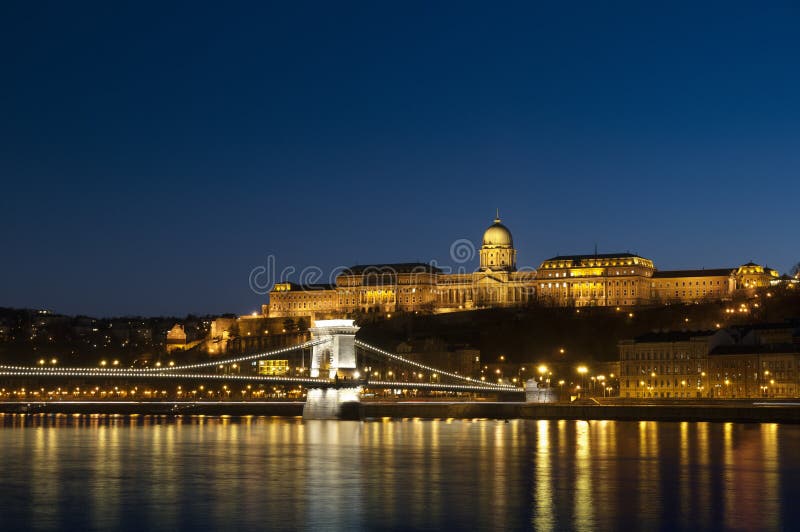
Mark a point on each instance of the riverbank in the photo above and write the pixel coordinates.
(734, 412)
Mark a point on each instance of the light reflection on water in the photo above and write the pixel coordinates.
(162, 473)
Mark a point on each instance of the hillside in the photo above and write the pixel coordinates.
(541, 333)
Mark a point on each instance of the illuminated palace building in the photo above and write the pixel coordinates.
(605, 280)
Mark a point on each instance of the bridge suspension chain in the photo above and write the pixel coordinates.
(398, 358)
(164, 369)
(33, 372)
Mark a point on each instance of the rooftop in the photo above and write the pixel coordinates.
(595, 256)
(721, 272)
(755, 349)
(399, 267)
(308, 287)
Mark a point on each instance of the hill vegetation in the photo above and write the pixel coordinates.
(572, 334)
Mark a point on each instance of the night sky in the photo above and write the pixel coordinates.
(152, 155)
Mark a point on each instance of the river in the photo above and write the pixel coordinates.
(215, 473)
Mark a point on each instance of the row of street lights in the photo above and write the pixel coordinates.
(545, 376)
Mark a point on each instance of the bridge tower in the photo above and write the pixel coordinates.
(334, 357)
(336, 354)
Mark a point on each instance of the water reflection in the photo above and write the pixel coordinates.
(771, 471)
(543, 512)
(161, 473)
(582, 504)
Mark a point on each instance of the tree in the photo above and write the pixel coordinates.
(796, 270)
(302, 326)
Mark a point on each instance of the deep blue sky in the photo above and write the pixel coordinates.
(151, 155)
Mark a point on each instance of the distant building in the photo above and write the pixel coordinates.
(254, 332)
(688, 286)
(176, 338)
(751, 275)
(599, 280)
(590, 280)
(273, 368)
(738, 362)
(290, 299)
(667, 364)
(221, 328)
(745, 371)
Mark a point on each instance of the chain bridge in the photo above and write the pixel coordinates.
(342, 368)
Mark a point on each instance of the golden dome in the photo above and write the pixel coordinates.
(498, 235)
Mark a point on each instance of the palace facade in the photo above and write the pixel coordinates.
(605, 280)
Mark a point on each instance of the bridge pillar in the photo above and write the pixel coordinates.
(336, 354)
(334, 357)
(536, 394)
(333, 403)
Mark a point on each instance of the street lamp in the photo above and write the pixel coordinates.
(542, 369)
(582, 370)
